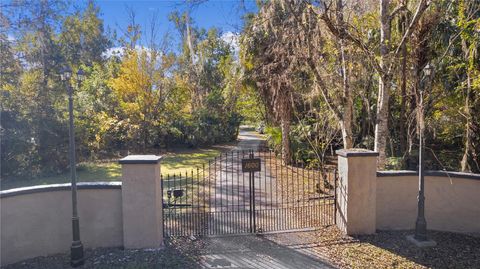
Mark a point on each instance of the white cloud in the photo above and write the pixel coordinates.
(233, 40)
(115, 51)
(120, 51)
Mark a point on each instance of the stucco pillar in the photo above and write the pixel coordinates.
(357, 191)
(142, 202)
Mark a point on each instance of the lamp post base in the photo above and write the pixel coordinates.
(421, 243)
(421, 228)
(76, 254)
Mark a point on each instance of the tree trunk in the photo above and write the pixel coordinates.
(189, 39)
(197, 98)
(381, 125)
(347, 117)
(412, 131)
(420, 117)
(347, 135)
(470, 162)
(403, 97)
(286, 151)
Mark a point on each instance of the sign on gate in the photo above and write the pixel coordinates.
(251, 165)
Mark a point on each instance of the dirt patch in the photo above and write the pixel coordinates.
(174, 255)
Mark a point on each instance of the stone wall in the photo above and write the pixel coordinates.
(452, 201)
(37, 221)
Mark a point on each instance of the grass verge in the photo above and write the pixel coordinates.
(174, 162)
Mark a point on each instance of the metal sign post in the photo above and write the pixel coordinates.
(252, 165)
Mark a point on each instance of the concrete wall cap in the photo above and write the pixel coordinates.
(356, 152)
(140, 159)
(437, 173)
(396, 173)
(60, 187)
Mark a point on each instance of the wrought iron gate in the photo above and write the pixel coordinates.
(219, 198)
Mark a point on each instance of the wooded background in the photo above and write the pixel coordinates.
(321, 75)
(142, 98)
(351, 73)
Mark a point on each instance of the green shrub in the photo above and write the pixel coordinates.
(274, 138)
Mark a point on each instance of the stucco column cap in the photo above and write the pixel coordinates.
(355, 152)
(140, 159)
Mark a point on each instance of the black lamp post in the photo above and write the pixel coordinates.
(421, 223)
(76, 250)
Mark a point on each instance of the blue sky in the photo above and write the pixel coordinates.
(223, 14)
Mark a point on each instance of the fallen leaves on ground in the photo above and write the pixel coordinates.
(390, 249)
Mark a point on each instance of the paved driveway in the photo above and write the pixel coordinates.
(230, 191)
(250, 251)
(249, 140)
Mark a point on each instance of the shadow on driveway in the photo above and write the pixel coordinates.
(250, 251)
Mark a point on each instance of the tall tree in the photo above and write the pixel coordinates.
(346, 122)
(312, 35)
(82, 37)
(35, 27)
(386, 63)
(270, 50)
(469, 24)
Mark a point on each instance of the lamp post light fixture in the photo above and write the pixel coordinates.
(76, 250)
(420, 237)
(80, 75)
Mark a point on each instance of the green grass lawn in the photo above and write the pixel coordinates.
(176, 162)
(185, 161)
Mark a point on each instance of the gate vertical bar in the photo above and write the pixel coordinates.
(227, 214)
(277, 193)
(335, 196)
(221, 194)
(210, 218)
(254, 200)
(174, 202)
(250, 200)
(244, 193)
(172, 218)
(265, 192)
(239, 221)
(260, 192)
(287, 211)
(192, 217)
(204, 200)
(232, 214)
(163, 208)
(197, 207)
(282, 217)
(298, 216)
(271, 191)
(303, 193)
(215, 195)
